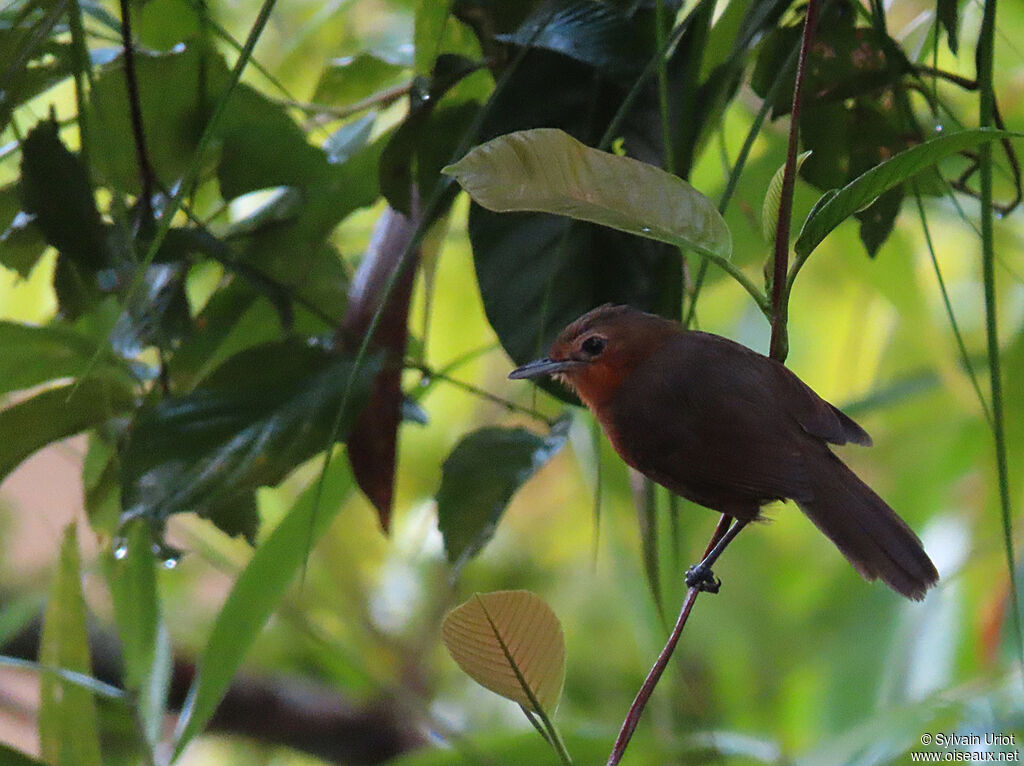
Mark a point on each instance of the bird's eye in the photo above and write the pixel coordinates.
(593, 345)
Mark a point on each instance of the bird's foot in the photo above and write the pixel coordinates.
(701, 577)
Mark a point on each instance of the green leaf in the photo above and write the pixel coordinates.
(597, 34)
(68, 733)
(547, 170)
(428, 32)
(773, 198)
(55, 188)
(57, 413)
(256, 418)
(21, 242)
(131, 575)
(11, 757)
(947, 13)
(511, 643)
(479, 478)
(347, 80)
(864, 189)
(255, 595)
(33, 355)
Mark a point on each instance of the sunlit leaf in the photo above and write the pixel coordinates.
(353, 78)
(549, 171)
(773, 197)
(479, 478)
(255, 595)
(863, 190)
(511, 643)
(68, 733)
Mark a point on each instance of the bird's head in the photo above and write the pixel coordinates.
(595, 353)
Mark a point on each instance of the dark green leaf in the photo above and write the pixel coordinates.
(11, 757)
(21, 242)
(947, 12)
(57, 413)
(101, 480)
(597, 34)
(479, 478)
(878, 219)
(537, 272)
(255, 595)
(33, 355)
(354, 78)
(860, 192)
(55, 189)
(258, 416)
(156, 315)
(68, 733)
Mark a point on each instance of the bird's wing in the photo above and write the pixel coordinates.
(722, 424)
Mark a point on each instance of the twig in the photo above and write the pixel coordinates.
(640, 702)
(147, 178)
(780, 267)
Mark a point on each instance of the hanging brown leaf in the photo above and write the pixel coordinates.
(510, 642)
(372, 444)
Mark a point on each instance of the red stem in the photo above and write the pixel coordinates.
(637, 708)
(780, 340)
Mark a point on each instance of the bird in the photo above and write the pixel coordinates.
(732, 430)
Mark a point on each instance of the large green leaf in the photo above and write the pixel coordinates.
(68, 733)
(546, 170)
(255, 595)
(57, 413)
(258, 416)
(479, 478)
(865, 188)
(354, 78)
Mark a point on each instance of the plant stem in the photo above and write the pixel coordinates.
(147, 179)
(640, 702)
(430, 373)
(780, 266)
(985, 66)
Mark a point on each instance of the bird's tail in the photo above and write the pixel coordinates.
(876, 541)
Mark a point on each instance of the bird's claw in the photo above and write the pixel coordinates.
(703, 579)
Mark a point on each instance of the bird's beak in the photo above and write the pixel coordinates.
(540, 367)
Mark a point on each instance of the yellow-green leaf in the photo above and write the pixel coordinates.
(773, 198)
(546, 170)
(510, 642)
(67, 713)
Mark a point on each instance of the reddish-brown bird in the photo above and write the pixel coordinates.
(730, 429)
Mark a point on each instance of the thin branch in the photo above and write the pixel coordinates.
(640, 702)
(780, 267)
(382, 98)
(431, 374)
(147, 178)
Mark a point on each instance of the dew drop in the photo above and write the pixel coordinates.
(120, 548)
(170, 562)
(939, 128)
(645, 229)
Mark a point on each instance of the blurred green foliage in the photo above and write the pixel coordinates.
(203, 341)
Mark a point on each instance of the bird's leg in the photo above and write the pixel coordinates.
(700, 575)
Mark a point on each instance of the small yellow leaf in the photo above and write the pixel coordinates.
(510, 642)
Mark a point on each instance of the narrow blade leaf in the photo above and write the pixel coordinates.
(255, 595)
(511, 643)
(68, 732)
(546, 170)
(862, 190)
